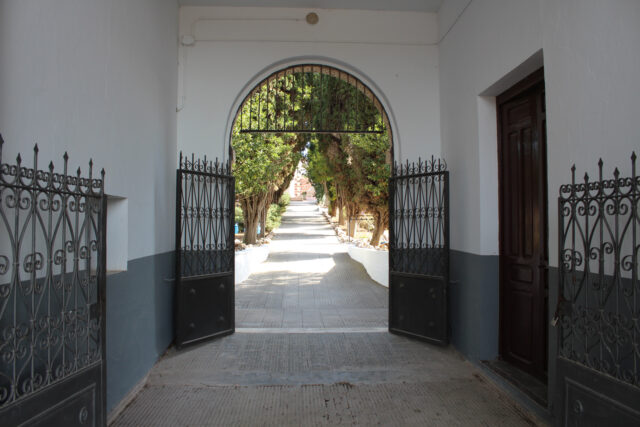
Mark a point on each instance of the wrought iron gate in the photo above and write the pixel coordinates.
(52, 296)
(205, 204)
(419, 250)
(598, 316)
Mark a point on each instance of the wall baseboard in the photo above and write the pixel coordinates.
(127, 399)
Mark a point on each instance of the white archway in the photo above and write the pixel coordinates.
(316, 60)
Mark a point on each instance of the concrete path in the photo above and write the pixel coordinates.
(275, 372)
(309, 281)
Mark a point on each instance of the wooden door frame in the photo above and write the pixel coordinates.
(516, 90)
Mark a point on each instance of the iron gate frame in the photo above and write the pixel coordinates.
(419, 259)
(263, 123)
(209, 255)
(598, 353)
(73, 392)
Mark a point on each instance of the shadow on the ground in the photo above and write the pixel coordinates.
(299, 256)
(301, 236)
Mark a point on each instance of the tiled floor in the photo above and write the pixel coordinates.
(308, 379)
(309, 281)
(311, 348)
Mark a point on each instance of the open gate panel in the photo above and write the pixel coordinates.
(205, 249)
(419, 250)
(52, 295)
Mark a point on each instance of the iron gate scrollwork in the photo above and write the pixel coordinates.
(598, 315)
(52, 295)
(419, 250)
(205, 250)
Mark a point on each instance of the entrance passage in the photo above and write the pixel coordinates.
(266, 375)
(309, 280)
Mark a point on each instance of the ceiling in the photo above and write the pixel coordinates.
(398, 5)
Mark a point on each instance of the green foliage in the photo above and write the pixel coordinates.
(284, 201)
(369, 158)
(274, 217)
(351, 167)
(262, 162)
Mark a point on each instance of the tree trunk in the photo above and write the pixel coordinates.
(250, 228)
(352, 225)
(263, 220)
(351, 212)
(251, 208)
(333, 205)
(341, 215)
(341, 209)
(325, 188)
(381, 222)
(283, 187)
(377, 231)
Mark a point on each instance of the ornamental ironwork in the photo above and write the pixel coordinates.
(205, 217)
(419, 218)
(599, 249)
(52, 275)
(311, 98)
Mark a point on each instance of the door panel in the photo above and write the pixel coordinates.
(205, 295)
(523, 227)
(419, 250)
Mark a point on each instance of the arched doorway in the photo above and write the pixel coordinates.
(334, 125)
(417, 207)
(316, 109)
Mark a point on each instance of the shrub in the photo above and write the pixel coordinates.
(284, 201)
(274, 217)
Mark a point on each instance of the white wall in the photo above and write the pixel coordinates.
(248, 260)
(99, 79)
(592, 62)
(393, 52)
(374, 261)
(592, 76)
(489, 39)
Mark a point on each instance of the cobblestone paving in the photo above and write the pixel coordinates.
(358, 374)
(253, 379)
(309, 281)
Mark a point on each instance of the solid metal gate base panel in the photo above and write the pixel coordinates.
(206, 302)
(81, 406)
(205, 250)
(417, 309)
(588, 398)
(419, 250)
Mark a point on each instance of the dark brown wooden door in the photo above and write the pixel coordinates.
(523, 225)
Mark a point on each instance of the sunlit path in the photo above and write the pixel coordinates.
(309, 281)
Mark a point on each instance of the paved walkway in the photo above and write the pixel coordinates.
(265, 375)
(309, 281)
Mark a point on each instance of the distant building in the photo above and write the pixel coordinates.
(300, 187)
